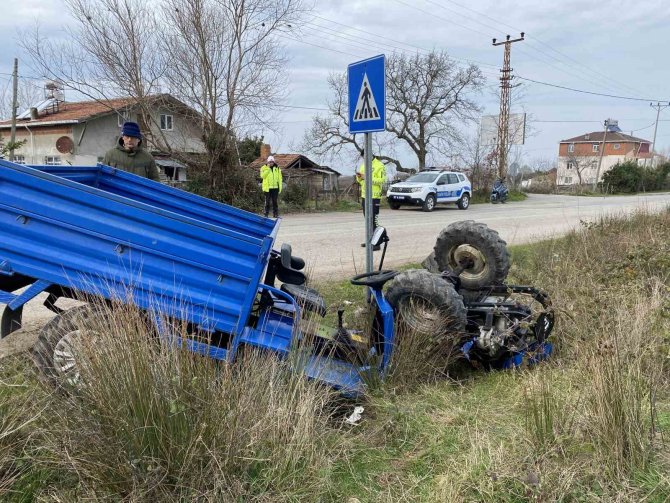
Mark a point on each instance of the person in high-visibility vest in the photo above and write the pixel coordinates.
(378, 180)
(272, 185)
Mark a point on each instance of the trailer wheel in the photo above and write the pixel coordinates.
(428, 306)
(55, 352)
(490, 261)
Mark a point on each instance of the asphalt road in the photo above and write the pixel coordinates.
(330, 242)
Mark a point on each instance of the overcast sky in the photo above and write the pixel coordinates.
(610, 47)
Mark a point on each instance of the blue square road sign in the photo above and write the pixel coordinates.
(367, 95)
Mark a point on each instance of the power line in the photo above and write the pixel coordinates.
(587, 92)
(549, 63)
(607, 78)
(367, 32)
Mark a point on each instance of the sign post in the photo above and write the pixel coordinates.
(367, 114)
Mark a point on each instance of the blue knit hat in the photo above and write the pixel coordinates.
(131, 129)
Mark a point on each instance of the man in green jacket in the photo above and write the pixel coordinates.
(129, 155)
(378, 180)
(272, 184)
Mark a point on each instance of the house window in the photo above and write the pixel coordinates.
(617, 146)
(571, 147)
(326, 183)
(122, 117)
(52, 160)
(19, 159)
(571, 164)
(166, 122)
(596, 147)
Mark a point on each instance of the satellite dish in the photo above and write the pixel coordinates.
(64, 145)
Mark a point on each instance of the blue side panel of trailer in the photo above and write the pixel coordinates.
(106, 232)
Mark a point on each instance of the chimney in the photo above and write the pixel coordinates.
(33, 113)
(266, 151)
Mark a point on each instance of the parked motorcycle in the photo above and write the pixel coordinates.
(500, 192)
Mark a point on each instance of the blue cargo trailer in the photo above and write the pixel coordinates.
(99, 231)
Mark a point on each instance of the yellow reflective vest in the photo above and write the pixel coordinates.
(272, 178)
(378, 178)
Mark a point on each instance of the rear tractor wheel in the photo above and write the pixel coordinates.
(469, 242)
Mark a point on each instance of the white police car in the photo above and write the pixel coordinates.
(430, 187)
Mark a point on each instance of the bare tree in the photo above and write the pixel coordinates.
(428, 99)
(329, 135)
(480, 160)
(580, 164)
(115, 49)
(28, 95)
(429, 96)
(225, 59)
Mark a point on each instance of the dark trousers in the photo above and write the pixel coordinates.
(375, 211)
(271, 197)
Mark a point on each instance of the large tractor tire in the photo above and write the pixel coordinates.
(428, 306)
(479, 244)
(55, 352)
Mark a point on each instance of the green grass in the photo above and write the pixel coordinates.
(578, 428)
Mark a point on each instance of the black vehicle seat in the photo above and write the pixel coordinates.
(307, 298)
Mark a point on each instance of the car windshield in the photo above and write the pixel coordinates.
(423, 177)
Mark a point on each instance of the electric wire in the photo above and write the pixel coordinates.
(631, 98)
(534, 39)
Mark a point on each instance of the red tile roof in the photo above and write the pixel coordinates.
(597, 136)
(76, 111)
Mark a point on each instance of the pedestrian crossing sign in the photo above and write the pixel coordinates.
(367, 95)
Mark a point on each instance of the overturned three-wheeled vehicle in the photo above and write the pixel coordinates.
(98, 231)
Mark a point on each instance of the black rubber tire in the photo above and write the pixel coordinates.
(44, 349)
(429, 203)
(444, 318)
(469, 238)
(394, 206)
(464, 202)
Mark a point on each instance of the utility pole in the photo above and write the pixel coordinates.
(658, 106)
(503, 118)
(15, 92)
(602, 152)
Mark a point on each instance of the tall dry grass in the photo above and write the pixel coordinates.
(610, 284)
(153, 422)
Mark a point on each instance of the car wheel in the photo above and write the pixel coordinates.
(429, 203)
(394, 206)
(464, 202)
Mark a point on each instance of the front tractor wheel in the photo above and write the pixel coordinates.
(429, 310)
(429, 203)
(469, 242)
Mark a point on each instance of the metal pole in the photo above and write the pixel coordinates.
(503, 118)
(368, 202)
(600, 159)
(658, 108)
(14, 107)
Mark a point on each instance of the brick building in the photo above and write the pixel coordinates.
(578, 157)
